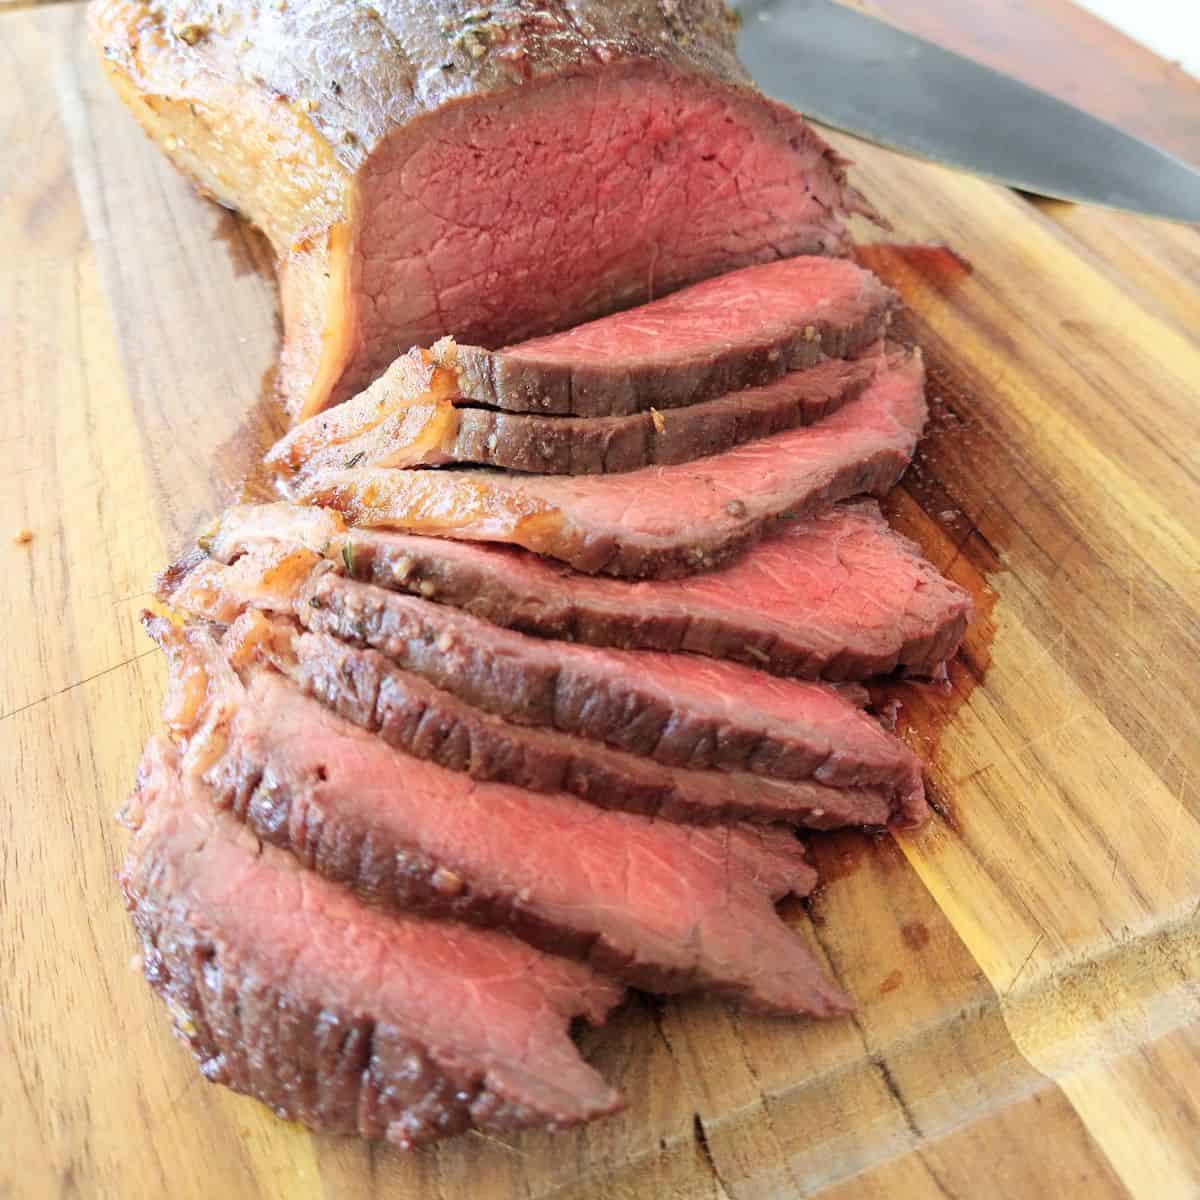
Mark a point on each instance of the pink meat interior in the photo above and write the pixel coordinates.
(757, 305)
(507, 217)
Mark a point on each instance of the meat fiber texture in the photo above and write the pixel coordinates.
(411, 714)
(740, 330)
(347, 1018)
(836, 596)
(492, 173)
(659, 522)
(680, 710)
(402, 421)
(665, 907)
(414, 714)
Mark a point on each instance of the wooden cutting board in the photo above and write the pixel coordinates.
(1026, 969)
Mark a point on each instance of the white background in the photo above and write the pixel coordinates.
(1170, 28)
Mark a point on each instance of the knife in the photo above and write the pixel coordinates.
(859, 74)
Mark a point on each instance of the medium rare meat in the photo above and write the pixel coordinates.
(741, 330)
(679, 709)
(411, 714)
(349, 1019)
(391, 425)
(424, 170)
(666, 907)
(660, 521)
(834, 596)
(838, 595)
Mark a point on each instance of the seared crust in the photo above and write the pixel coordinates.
(357, 70)
(657, 523)
(221, 920)
(917, 618)
(288, 112)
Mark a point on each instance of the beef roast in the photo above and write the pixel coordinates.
(493, 173)
(680, 709)
(666, 907)
(741, 330)
(837, 595)
(393, 425)
(660, 521)
(611, 445)
(411, 714)
(349, 1019)
(834, 596)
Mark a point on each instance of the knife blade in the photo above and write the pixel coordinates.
(849, 70)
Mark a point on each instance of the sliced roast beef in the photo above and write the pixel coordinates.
(349, 1019)
(660, 521)
(666, 907)
(741, 330)
(680, 709)
(612, 445)
(835, 596)
(493, 173)
(388, 426)
(411, 714)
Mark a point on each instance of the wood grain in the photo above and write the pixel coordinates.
(1158, 260)
(1028, 1023)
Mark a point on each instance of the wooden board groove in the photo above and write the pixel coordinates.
(1029, 1018)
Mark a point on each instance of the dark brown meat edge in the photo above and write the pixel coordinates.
(298, 1032)
(615, 445)
(673, 708)
(521, 591)
(412, 715)
(636, 372)
(353, 135)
